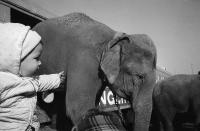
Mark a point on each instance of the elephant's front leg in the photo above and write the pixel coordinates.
(83, 83)
(143, 110)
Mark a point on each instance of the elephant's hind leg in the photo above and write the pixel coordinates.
(196, 108)
(167, 113)
(167, 120)
(197, 121)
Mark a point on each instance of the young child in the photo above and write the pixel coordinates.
(20, 49)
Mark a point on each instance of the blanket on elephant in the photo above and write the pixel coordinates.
(96, 120)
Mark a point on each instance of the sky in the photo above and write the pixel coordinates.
(173, 25)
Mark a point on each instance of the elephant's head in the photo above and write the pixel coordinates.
(130, 65)
(127, 63)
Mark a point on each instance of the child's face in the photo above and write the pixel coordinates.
(31, 63)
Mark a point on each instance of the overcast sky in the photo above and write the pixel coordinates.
(174, 25)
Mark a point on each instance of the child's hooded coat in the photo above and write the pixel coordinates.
(18, 94)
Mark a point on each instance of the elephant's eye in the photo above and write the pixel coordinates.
(147, 54)
(140, 76)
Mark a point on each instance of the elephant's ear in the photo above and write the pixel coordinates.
(110, 63)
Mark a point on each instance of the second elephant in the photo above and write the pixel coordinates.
(177, 94)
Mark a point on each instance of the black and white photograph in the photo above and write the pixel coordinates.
(99, 65)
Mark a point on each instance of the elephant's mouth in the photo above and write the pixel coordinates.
(121, 93)
(131, 86)
(122, 90)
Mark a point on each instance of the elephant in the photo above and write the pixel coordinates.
(177, 94)
(94, 56)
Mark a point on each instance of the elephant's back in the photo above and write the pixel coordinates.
(175, 85)
(80, 29)
(181, 82)
(72, 19)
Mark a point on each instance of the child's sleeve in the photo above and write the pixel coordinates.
(48, 82)
(10, 86)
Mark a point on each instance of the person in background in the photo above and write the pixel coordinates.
(19, 60)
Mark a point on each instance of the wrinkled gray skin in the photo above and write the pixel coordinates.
(92, 56)
(177, 94)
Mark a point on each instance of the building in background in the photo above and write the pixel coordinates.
(22, 11)
(162, 73)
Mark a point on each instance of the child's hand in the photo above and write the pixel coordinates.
(62, 77)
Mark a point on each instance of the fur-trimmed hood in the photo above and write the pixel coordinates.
(16, 42)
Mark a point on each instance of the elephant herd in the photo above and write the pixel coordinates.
(94, 56)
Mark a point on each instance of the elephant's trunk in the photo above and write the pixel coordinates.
(142, 112)
(135, 94)
(136, 85)
(142, 104)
